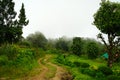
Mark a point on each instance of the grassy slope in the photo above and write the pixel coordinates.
(74, 71)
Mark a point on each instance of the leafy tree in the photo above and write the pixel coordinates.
(92, 50)
(10, 27)
(62, 44)
(77, 46)
(37, 39)
(107, 20)
(87, 41)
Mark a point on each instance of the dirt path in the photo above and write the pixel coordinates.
(60, 73)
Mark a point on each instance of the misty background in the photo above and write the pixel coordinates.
(57, 18)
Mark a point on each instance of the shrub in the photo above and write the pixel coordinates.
(24, 43)
(113, 77)
(88, 72)
(99, 75)
(81, 64)
(94, 67)
(62, 45)
(37, 40)
(105, 70)
(77, 64)
(85, 65)
(9, 50)
(68, 63)
(77, 46)
(92, 50)
(3, 60)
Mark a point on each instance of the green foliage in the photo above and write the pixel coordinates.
(10, 27)
(105, 70)
(63, 60)
(113, 77)
(24, 43)
(88, 72)
(77, 64)
(37, 40)
(85, 65)
(87, 41)
(17, 60)
(9, 50)
(81, 64)
(77, 46)
(22, 16)
(3, 60)
(87, 69)
(107, 18)
(62, 45)
(92, 50)
(99, 75)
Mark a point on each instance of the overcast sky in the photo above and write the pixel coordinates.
(57, 18)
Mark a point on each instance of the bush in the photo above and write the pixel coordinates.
(92, 50)
(37, 40)
(99, 75)
(9, 50)
(88, 72)
(77, 64)
(77, 46)
(3, 60)
(24, 43)
(94, 67)
(105, 70)
(81, 64)
(85, 65)
(113, 77)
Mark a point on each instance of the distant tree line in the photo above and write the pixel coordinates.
(77, 45)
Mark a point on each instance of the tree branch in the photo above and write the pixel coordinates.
(103, 40)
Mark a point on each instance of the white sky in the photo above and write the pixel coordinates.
(57, 18)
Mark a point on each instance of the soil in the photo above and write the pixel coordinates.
(61, 73)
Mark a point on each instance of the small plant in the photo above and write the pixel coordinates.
(85, 65)
(77, 64)
(3, 60)
(81, 64)
(113, 77)
(99, 75)
(105, 70)
(94, 67)
(88, 72)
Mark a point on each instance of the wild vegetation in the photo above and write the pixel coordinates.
(38, 58)
(106, 19)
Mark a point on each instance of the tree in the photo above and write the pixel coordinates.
(10, 27)
(77, 46)
(37, 39)
(62, 44)
(92, 50)
(107, 20)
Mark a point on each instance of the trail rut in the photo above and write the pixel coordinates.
(60, 73)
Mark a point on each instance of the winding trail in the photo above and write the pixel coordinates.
(60, 73)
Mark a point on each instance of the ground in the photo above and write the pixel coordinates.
(49, 71)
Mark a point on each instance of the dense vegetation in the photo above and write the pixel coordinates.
(107, 20)
(82, 57)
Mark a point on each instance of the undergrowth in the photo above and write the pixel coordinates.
(16, 61)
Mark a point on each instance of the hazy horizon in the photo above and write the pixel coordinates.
(57, 18)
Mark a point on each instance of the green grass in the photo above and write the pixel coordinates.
(96, 62)
(52, 71)
(75, 71)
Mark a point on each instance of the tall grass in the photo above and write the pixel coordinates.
(16, 61)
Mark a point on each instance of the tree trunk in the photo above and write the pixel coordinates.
(110, 60)
(110, 50)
